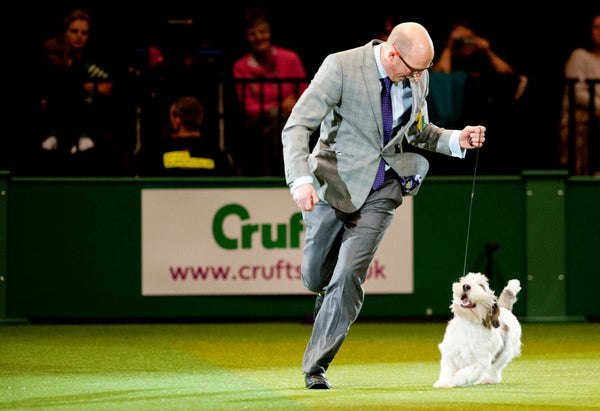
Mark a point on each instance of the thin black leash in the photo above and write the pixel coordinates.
(470, 211)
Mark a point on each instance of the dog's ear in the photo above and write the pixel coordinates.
(492, 319)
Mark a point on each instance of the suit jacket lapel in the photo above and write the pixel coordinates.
(369, 71)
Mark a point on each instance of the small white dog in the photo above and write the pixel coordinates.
(482, 337)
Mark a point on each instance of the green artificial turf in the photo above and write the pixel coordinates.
(257, 366)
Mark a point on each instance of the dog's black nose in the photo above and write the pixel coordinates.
(466, 287)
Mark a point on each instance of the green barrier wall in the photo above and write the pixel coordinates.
(3, 239)
(71, 249)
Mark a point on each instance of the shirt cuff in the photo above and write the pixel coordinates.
(454, 145)
(299, 181)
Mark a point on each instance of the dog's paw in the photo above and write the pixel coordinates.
(514, 286)
(443, 384)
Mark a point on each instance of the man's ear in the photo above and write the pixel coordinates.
(175, 122)
(389, 53)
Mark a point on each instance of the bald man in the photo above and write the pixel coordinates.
(346, 211)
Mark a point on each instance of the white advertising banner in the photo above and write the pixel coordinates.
(239, 241)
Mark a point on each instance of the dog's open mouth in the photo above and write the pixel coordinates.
(465, 302)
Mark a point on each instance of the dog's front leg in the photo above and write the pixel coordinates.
(447, 370)
(469, 375)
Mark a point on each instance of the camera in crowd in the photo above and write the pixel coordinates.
(464, 42)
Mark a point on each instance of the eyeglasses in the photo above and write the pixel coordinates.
(413, 71)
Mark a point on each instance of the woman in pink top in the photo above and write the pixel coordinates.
(264, 62)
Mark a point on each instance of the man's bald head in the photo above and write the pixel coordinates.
(413, 41)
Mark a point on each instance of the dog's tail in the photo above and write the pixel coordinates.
(509, 294)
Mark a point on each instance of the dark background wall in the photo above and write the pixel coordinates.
(536, 42)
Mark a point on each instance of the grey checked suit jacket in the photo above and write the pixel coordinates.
(343, 99)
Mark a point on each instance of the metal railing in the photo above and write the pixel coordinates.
(272, 150)
(593, 142)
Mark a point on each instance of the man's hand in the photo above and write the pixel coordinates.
(305, 197)
(472, 137)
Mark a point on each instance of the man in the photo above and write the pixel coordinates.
(187, 151)
(345, 216)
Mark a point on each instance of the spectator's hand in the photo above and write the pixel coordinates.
(88, 87)
(105, 88)
(305, 197)
(472, 137)
(481, 43)
(85, 143)
(287, 105)
(50, 143)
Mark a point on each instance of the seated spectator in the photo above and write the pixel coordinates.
(63, 110)
(490, 91)
(75, 117)
(186, 151)
(77, 33)
(96, 81)
(582, 64)
(182, 62)
(267, 105)
(467, 51)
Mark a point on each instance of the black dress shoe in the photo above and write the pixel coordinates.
(317, 382)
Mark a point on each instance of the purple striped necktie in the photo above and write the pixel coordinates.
(386, 111)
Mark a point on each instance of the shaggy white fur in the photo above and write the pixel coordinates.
(482, 337)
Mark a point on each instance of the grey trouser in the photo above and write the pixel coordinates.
(338, 251)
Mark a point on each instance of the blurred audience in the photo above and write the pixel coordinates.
(267, 105)
(469, 52)
(579, 132)
(482, 87)
(178, 60)
(89, 126)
